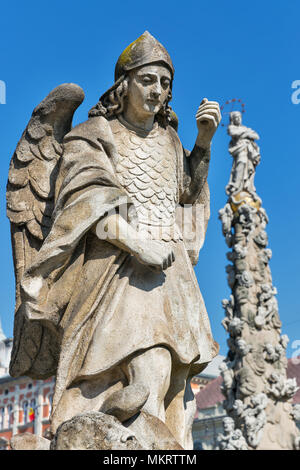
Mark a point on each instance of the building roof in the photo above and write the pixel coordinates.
(211, 394)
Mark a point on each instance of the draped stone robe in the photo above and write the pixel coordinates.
(99, 300)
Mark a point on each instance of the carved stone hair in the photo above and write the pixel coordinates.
(112, 103)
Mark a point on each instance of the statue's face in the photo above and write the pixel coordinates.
(228, 425)
(237, 119)
(148, 88)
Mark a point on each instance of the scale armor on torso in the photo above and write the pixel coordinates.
(146, 167)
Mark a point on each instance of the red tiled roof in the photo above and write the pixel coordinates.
(211, 394)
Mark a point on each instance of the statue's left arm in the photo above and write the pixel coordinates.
(208, 118)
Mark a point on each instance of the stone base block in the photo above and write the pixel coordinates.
(28, 441)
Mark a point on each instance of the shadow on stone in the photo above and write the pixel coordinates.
(125, 403)
(152, 433)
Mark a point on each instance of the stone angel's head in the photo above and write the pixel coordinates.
(143, 81)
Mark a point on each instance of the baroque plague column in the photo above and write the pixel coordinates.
(258, 393)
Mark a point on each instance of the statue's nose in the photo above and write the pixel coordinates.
(156, 90)
(155, 93)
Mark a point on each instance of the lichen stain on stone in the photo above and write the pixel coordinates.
(125, 57)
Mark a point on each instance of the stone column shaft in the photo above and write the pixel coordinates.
(258, 393)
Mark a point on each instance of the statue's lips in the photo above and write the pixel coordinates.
(153, 102)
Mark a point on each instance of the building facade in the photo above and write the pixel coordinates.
(25, 404)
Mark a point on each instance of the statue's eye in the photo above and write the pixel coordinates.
(147, 79)
(165, 83)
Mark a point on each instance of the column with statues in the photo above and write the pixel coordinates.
(257, 390)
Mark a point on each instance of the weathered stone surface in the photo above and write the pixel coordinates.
(104, 248)
(28, 441)
(152, 433)
(94, 431)
(258, 393)
(246, 156)
(125, 403)
(232, 439)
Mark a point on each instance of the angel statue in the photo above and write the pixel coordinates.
(106, 295)
(245, 153)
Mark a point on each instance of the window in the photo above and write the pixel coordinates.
(25, 412)
(2, 412)
(3, 443)
(10, 413)
(31, 414)
(50, 402)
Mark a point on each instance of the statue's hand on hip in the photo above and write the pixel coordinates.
(208, 118)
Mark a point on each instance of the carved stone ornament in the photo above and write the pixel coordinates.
(107, 221)
(232, 439)
(257, 392)
(255, 419)
(280, 387)
(226, 217)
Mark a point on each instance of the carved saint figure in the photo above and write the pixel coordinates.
(232, 439)
(228, 383)
(107, 298)
(255, 418)
(245, 153)
(268, 307)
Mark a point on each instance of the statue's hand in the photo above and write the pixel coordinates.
(155, 254)
(208, 118)
(115, 229)
(252, 135)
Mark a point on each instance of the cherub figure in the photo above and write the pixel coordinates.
(232, 439)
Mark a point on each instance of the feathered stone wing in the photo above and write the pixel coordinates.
(30, 202)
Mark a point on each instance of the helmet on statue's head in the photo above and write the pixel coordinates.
(143, 51)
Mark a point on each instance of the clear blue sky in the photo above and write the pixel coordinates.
(221, 50)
